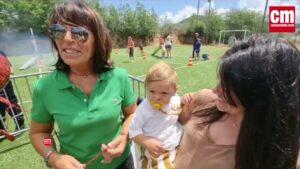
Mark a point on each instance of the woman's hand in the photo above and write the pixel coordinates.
(187, 99)
(154, 147)
(58, 161)
(114, 149)
(186, 102)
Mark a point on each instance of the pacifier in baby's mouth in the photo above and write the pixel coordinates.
(174, 108)
(156, 106)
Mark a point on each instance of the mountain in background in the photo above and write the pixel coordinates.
(186, 21)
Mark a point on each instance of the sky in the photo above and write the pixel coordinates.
(178, 10)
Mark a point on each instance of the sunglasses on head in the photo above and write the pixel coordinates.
(58, 31)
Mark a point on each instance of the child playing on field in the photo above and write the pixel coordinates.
(196, 46)
(130, 45)
(161, 46)
(155, 125)
(142, 49)
(168, 45)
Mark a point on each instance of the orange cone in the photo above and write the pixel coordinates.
(190, 62)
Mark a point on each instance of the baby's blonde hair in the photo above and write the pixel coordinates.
(162, 71)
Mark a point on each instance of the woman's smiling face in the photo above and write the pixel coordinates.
(75, 52)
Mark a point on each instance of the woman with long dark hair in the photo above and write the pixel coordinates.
(254, 122)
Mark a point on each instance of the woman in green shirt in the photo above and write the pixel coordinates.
(91, 102)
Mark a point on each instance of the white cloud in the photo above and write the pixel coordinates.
(259, 5)
(255, 5)
(222, 10)
(186, 12)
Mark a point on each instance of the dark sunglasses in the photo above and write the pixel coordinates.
(58, 31)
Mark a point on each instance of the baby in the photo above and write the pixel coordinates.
(155, 126)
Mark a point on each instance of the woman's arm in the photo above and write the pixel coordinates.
(38, 133)
(117, 146)
(128, 113)
(184, 117)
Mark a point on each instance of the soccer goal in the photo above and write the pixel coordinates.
(231, 38)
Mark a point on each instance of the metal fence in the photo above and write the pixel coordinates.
(23, 87)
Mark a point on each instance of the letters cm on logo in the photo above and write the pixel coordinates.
(282, 19)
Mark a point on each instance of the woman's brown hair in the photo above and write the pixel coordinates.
(79, 13)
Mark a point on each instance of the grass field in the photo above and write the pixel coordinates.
(21, 155)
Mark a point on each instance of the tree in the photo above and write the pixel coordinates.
(147, 22)
(95, 4)
(194, 25)
(129, 23)
(244, 19)
(112, 20)
(166, 26)
(187, 28)
(124, 21)
(20, 15)
(214, 24)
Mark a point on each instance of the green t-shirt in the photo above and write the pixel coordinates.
(84, 122)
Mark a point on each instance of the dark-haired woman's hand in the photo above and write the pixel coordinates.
(186, 99)
(186, 102)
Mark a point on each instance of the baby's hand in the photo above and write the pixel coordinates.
(154, 147)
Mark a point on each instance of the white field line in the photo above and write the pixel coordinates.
(149, 58)
(180, 67)
(165, 60)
